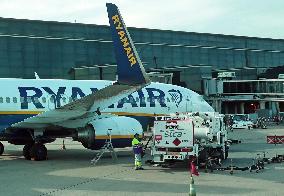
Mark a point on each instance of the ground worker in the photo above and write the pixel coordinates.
(137, 149)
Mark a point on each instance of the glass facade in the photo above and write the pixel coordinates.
(53, 48)
(272, 87)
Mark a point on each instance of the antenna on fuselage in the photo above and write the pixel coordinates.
(36, 76)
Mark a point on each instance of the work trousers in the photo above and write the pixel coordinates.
(138, 162)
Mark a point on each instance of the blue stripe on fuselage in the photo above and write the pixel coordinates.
(6, 120)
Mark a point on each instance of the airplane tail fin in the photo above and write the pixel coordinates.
(129, 67)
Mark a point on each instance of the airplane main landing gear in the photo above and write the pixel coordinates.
(36, 151)
(26, 151)
(1, 148)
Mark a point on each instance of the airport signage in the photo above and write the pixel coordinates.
(276, 139)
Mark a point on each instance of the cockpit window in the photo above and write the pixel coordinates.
(200, 98)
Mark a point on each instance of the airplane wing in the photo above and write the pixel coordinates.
(131, 77)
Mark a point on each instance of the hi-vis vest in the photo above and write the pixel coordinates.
(136, 148)
(135, 142)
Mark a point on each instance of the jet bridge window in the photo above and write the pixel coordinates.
(1, 99)
(7, 99)
(15, 99)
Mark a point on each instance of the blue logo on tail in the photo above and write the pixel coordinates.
(129, 67)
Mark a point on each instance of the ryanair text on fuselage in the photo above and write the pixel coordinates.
(32, 95)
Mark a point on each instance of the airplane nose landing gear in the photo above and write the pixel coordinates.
(1, 148)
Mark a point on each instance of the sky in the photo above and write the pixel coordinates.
(254, 18)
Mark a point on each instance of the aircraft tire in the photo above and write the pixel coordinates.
(38, 152)
(1, 148)
(27, 150)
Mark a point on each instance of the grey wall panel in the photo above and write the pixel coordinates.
(58, 53)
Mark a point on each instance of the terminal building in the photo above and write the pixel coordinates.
(189, 59)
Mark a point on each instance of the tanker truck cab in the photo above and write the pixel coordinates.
(173, 139)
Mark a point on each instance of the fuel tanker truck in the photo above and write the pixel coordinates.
(178, 137)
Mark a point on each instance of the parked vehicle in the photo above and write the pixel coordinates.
(191, 135)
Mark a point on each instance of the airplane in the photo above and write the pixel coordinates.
(34, 112)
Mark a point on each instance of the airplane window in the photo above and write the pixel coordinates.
(15, 99)
(7, 99)
(131, 100)
(22, 99)
(64, 99)
(43, 100)
(29, 99)
(36, 100)
(1, 99)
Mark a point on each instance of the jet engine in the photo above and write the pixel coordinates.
(94, 134)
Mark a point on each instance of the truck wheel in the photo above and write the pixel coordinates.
(1, 148)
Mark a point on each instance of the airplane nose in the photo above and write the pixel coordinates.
(207, 108)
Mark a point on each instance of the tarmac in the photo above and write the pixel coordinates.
(69, 172)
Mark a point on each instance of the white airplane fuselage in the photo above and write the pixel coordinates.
(21, 98)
